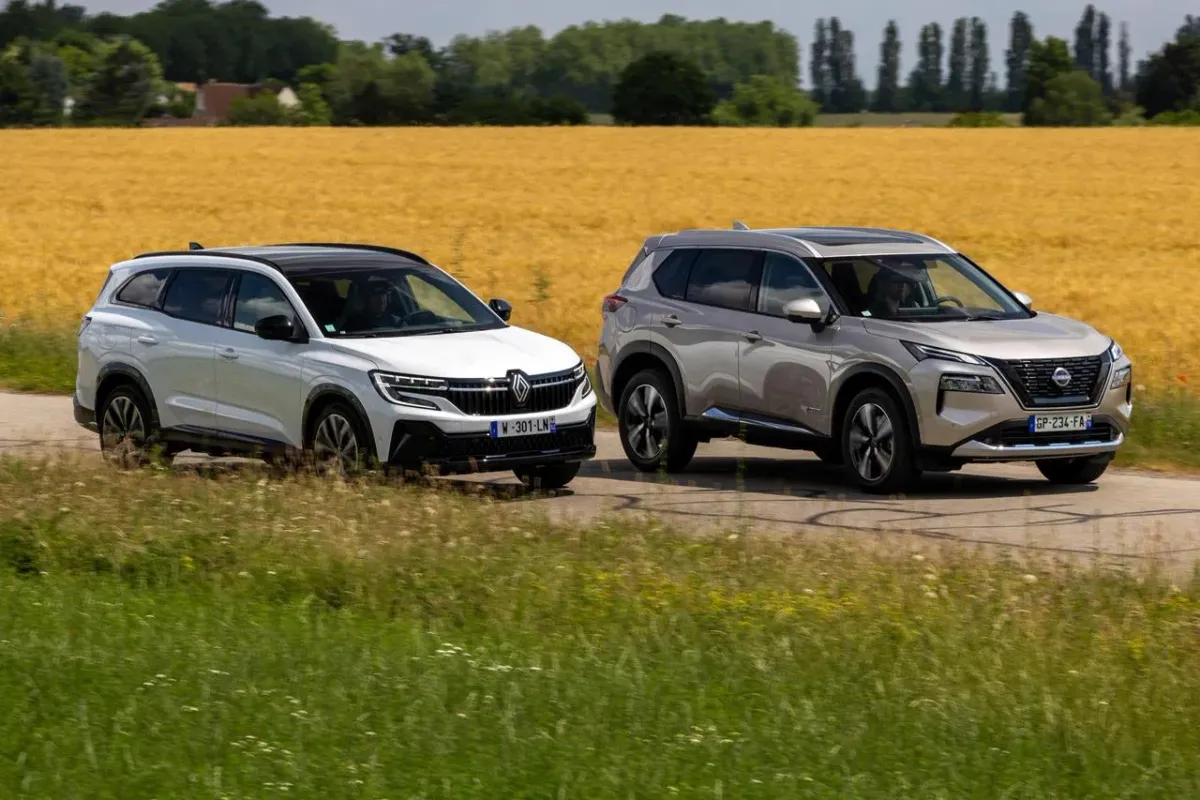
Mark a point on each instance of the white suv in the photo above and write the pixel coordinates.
(351, 354)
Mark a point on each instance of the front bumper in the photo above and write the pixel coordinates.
(416, 443)
(966, 426)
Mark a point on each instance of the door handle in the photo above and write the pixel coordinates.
(229, 353)
(147, 340)
(753, 336)
(671, 321)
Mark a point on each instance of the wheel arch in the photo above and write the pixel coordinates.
(864, 376)
(646, 355)
(321, 396)
(115, 374)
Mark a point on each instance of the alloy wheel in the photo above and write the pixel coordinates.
(335, 445)
(872, 443)
(646, 422)
(123, 431)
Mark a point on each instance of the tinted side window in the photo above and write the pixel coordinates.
(672, 275)
(258, 297)
(725, 278)
(197, 295)
(143, 290)
(784, 279)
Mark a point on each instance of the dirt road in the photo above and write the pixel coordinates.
(1125, 517)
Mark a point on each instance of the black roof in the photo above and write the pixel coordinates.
(300, 257)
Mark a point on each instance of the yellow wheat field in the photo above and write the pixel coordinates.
(1102, 225)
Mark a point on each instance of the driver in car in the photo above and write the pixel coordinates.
(377, 310)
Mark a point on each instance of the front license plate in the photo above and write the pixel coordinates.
(523, 427)
(1050, 423)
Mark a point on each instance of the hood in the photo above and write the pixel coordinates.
(471, 354)
(1043, 336)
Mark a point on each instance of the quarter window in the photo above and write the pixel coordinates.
(671, 277)
(725, 278)
(258, 297)
(197, 295)
(784, 279)
(143, 290)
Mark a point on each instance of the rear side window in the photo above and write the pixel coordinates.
(143, 289)
(197, 295)
(725, 278)
(671, 277)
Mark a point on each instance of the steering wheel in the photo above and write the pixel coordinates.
(949, 298)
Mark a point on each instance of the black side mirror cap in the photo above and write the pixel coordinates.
(278, 328)
(502, 307)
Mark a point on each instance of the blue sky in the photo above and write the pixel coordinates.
(1151, 22)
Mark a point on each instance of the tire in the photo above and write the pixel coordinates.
(339, 442)
(128, 428)
(868, 420)
(670, 445)
(1074, 471)
(547, 477)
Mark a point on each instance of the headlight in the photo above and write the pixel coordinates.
(923, 351)
(580, 376)
(401, 389)
(1115, 352)
(1121, 377)
(980, 384)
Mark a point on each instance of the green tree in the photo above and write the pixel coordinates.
(1047, 60)
(1020, 37)
(1085, 41)
(121, 90)
(764, 100)
(262, 108)
(978, 65)
(1170, 79)
(1124, 77)
(662, 88)
(18, 96)
(1103, 48)
(925, 81)
(819, 65)
(887, 87)
(1071, 98)
(955, 95)
(313, 105)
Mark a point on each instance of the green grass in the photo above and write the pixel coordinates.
(179, 636)
(873, 119)
(37, 360)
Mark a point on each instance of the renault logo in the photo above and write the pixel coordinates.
(519, 385)
(1061, 378)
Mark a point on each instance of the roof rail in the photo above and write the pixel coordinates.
(210, 253)
(378, 248)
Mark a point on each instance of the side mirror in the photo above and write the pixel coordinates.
(501, 307)
(806, 309)
(276, 328)
(1024, 299)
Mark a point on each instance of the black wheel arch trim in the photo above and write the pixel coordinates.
(131, 373)
(323, 390)
(644, 347)
(898, 387)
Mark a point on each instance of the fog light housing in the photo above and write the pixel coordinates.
(976, 384)
(1121, 377)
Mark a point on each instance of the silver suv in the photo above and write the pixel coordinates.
(885, 351)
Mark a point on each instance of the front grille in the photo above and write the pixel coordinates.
(1033, 382)
(495, 398)
(1016, 434)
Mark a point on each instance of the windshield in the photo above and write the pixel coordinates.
(920, 288)
(391, 301)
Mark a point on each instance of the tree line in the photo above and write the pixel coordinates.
(115, 67)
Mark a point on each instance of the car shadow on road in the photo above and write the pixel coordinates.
(810, 478)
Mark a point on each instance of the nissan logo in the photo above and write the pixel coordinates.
(519, 385)
(1061, 378)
